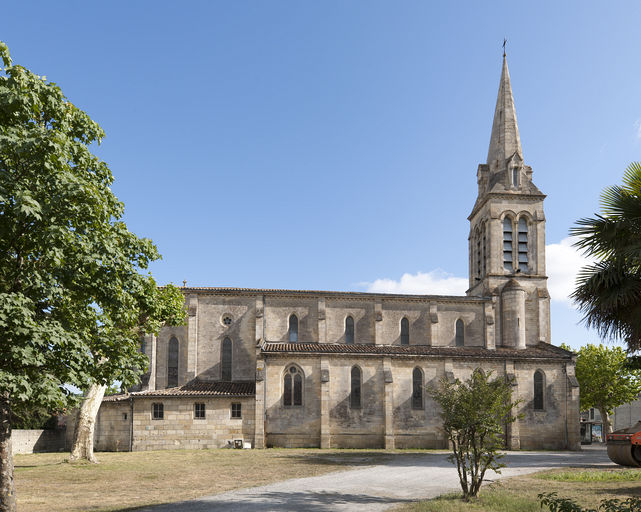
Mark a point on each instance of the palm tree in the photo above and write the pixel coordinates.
(608, 292)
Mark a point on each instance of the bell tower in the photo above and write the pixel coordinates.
(507, 233)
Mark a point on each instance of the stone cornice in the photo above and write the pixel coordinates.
(503, 195)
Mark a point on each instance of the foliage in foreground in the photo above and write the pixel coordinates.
(475, 413)
(608, 292)
(556, 504)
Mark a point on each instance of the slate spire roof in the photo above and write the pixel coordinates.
(505, 140)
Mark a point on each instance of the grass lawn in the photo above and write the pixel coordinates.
(47, 482)
(586, 487)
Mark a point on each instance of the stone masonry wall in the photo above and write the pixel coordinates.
(179, 428)
(113, 427)
(293, 426)
(35, 441)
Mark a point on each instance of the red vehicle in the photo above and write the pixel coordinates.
(624, 446)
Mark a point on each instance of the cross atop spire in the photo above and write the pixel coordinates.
(505, 140)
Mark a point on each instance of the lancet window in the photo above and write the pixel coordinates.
(507, 244)
(523, 257)
(349, 330)
(405, 331)
(226, 360)
(293, 329)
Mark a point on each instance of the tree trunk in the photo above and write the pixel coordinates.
(82, 447)
(605, 418)
(7, 488)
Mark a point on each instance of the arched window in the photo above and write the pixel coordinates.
(460, 333)
(349, 330)
(477, 236)
(172, 363)
(405, 331)
(355, 389)
(507, 244)
(226, 355)
(293, 387)
(523, 261)
(539, 382)
(483, 249)
(417, 389)
(293, 329)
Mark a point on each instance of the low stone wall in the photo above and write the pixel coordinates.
(33, 441)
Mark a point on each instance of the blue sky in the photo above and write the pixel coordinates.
(328, 145)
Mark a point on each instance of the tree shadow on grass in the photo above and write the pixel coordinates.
(25, 466)
(276, 501)
(363, 459)
(623, 492)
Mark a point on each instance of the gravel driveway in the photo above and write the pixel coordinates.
(407, 477)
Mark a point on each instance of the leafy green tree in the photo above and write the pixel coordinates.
(609, 292)
(147, 313)
(73, 300)
(474, 413)
(606, 380)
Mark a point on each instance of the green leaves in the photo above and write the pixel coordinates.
(74, 302)
(474, 413)
(605, 378)
(609, 292)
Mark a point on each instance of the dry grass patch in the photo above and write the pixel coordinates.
(47, 482)
(586, 487)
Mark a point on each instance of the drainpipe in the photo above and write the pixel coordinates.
(131, 423)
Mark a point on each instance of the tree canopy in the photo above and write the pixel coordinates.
(605, 379)
(608, 292)
(75, 292)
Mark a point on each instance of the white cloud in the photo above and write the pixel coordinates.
(563, 263)
(436, 282)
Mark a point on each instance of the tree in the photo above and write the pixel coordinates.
(162, 306)
(608, 292)
(606, 380)
(474, 413)
(71, 288)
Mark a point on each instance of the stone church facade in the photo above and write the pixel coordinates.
(350, 370)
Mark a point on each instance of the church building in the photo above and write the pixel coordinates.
(301, 368)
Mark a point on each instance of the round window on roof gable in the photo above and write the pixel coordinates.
(226, 320)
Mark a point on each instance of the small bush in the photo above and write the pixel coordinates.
(556, 504)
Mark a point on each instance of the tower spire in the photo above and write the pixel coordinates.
(505, 140)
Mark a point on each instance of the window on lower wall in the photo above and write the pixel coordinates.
(417, 389)
(539, 385)
(355, 390)
(199, 411)
(236, 411)
(157, 411)
(293, 387)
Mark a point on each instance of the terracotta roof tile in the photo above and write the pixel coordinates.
(330, 293)
(193, 388)
(540, 351)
